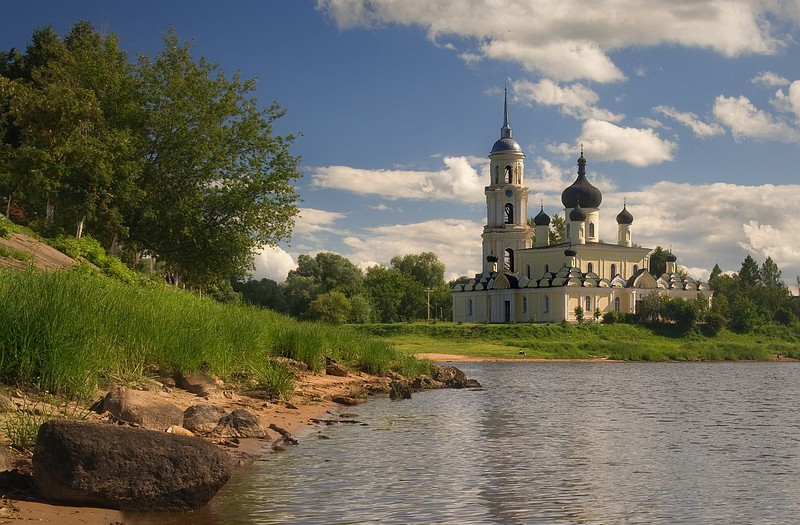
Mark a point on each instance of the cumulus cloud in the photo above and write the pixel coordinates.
(459, 180)
(272, 262)
(571, 39)
(692, 121)
(769, 79)
(747, 121)
(609, 142)
(790, 101)
(575, 100)
(310, 221)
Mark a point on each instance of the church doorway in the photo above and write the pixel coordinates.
(506, 311)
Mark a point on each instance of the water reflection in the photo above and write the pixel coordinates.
(552, 443)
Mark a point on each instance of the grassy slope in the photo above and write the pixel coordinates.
(70, 332)
(617, 341)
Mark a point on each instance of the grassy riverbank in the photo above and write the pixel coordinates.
(612, 341)
(69, 333)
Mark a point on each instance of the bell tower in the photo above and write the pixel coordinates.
(506, 230)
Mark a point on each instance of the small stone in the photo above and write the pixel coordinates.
(241, 424)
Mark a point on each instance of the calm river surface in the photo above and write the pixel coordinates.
(549, 443)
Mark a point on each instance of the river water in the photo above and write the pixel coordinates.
(545, 443)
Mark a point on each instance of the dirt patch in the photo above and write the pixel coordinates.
(44, 257)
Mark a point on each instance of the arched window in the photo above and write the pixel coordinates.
(508, 260)
(508, 213)
(588, 308)
(568, 230)
(528, 271)
(617, 303)
(524, 305)
(590, 267)
(613, 270)
(469, 306)
(497, 174)
(591, 230)
(635, 269)
(509, 175)
(546, 303)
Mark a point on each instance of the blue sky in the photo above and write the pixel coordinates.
(688, 109)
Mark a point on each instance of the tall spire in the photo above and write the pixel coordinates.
(505, 131)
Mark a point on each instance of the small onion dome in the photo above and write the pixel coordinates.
(570, 252)
(671, 258)
(581, 190)
(577, 213)
(506, 144)
(541, 219)
(624, 216)
(491, 258)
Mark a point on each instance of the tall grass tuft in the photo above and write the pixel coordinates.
(70, 332)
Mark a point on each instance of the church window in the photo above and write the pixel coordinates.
(588, 308)
(497, 174)
(528, 271)
(508, 260)
(509, 176)
(469, 306)
(591, 230)
(508, 212)
(613, 270)
(590, 267)
(568, 230)
(524, 305)
(546, 303)
(617, 303)
(635, 269)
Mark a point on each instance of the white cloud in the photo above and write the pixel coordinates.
(769, 79)
(789, 102)
(272, 262)
(609, 142)
(699, 128)
(310, 221)
(746, 121)
(458, 180)
(575, 100)
(571, 39)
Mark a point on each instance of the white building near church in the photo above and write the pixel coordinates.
(522, 282)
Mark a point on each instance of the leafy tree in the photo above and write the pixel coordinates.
(557, 233)
(579, 314)
(658, 262)
(325, 272)
(716, 272)
(217, 181)
(362, 310)
(684, 314)
(769, 274)
(263, 292)
(744, 315)
(330, 307)
(396, 295)
(749, 274)
(425, 268)
(651, 309)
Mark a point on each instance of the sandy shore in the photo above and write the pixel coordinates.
(455, 358)
(311, 400)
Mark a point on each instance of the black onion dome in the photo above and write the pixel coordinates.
(624, 216)
(581, 190)
(541, 219)
(577, 213)
(671, 258)
(570, 253)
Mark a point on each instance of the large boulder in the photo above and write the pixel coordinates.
(146, 409)
(453, 377)
(202, 419)
(110, 466)
(198, 383)
(239, 424)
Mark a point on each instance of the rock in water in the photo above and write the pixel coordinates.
(202, 418)
(109, 466)
(239, 424)
(147, 409)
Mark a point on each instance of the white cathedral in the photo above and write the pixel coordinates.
(522, 282)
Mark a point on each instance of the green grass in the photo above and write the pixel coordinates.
(69, 333)
(11, 253)
(615, 341)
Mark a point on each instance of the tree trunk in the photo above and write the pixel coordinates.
(49, 212)
(79, 228)
(8, 207)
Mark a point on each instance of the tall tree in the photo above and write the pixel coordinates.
(425, 268)
(325, 272)
(658, 262)
(218, 181)
(748, 274)
(769, 274)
